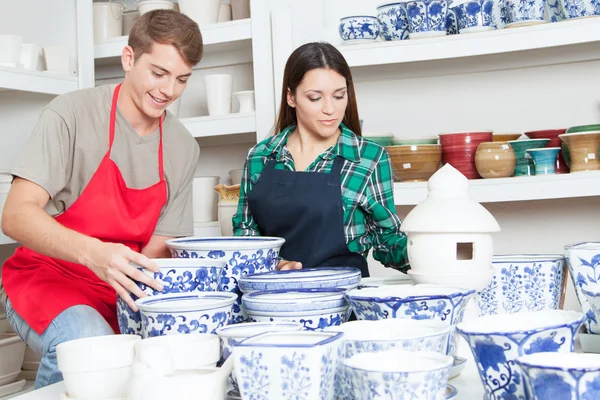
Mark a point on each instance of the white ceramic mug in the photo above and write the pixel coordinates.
(246, 100)
(218, 93)
(108, 20)
(203, 12)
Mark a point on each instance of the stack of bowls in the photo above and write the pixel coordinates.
(582, 147)
(315, 308)
(498, 340)
(414, 163)
(552, 134)
(524, 164)
(459, 148)
(524, 282)
(176, 276)
(242, 255)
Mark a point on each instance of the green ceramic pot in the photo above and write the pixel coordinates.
(524, 164)
(584, 128)
(411, 142)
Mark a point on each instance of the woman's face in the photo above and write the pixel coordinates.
(320, 101)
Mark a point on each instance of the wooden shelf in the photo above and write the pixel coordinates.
(521, 188)
(36, 81)
(223, 125)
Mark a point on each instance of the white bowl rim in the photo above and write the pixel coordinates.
(329, 337)
(438, 328)
(353, 294)
(301, 275)
(523, 258)
(188, 262)
(358, 16)
(229, 331)
(571, 317)
(225, 243)
(583, 246)
(557, 361)
(209, 301)
(388, 4)
(444, 361)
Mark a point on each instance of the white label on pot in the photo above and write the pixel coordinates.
(406, 166)
(592, 156)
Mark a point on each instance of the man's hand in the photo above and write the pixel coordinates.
(285, 265)
(114, 263)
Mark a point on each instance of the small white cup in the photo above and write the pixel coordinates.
(218, 94)
(246, 100)
(31, 56)
(57, 59)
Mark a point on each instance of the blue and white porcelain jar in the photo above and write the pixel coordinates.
(475, 16)
(427, 18)
(580, 8)
(393, 22)
(523, 12)
(359, 28)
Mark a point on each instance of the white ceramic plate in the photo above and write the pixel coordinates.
(8, 378)
(12, 388)
(455, 370)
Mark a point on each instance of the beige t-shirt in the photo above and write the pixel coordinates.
(71, 138)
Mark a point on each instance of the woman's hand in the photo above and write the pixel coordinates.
(285, 265)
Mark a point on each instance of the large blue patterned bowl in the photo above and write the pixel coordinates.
(177, 275)
(393, 22)
(475, 16)
(579, 8)
(177, 313)
(557, 376)
(521, 12)
(427, 18)
(359, 28)
(244, 255)
(397, 374)
(288, 365)
(583, 261)
(446, 304)
(306, 278)
(498, 340)
(524, 282)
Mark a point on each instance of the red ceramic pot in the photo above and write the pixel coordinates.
(458, 150)
(552, 134)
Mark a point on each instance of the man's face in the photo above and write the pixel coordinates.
(156, 78)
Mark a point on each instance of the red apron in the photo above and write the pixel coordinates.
(41, 287)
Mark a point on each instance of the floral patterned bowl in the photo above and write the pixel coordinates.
(427, 18)
(561, 376)
(524, 282)
(288, 365)
(176, 313)
(311, 320)
(583, 261)
(244, 255)
(359, 28)
(177, 275)
(442, 303)
(498, 340)
(522, 13)
(475, 16)
(393, 22)
(410, 375)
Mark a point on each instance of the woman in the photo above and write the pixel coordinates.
(317, 183)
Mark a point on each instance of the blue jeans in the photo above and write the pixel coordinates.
(73, 323)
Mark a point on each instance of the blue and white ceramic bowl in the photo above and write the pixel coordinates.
(522, 13)
(232, 335)
(177, 313)
(583, 261)
(314, 320)
(554, 11)
(397, 374)
(393, 22)
(274, 301)
(570, 376)
(306, 278)
(177, 276)
(451, 23)
(427, 18)
(475, 16)
(288, 365)
(524, 282)
(446, 304)
(243, 255)
(579, 8)
(359, 28)
(498, 340)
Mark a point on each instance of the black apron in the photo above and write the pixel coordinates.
(306, 209)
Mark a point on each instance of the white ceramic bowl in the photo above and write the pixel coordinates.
(176, 313)
(561, 375)
(186, 351)
(422, 375)
(286, 362)
(376, 281)
(12, 352)
(97, 368)
(498, 340)
(149, 5)
(524, 282)
(469, 279)
(311, 320)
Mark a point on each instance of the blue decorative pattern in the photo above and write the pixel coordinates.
(255, 377)
(523, 285)
(239, 263)
(393, 22)
(437, 343)
(583, 261)
(159, 324)
(359, 28)
(427, 15)
(478, 13)
(495, 355)
(451, 23)
(579, 8)
(310, 322)
(524, 10)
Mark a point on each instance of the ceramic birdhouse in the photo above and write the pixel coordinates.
(450, 235)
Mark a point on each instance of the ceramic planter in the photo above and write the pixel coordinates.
(458, 150)
(108, 20)
(561, 166)
(427, 18)
(218, 94)
(246, 100)
(583, 150)
(544, 160)
(359, 28)
(475, 16)
(495, 160)
(583, 261)
(524, 164)
(414, 163)
(393, 21)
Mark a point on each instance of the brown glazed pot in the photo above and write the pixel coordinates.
(495, 160)
(583, 150)
(415, 163)
(505, 137)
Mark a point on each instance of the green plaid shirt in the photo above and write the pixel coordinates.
(370, 219)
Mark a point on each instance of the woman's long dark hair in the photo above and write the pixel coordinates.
(306, 58)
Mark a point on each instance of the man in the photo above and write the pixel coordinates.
(105, 180)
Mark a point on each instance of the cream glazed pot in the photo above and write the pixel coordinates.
(457, 227)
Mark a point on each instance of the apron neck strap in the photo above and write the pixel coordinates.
(112, 123)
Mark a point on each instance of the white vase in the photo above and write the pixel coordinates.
(108, 20)
(246, 100)
(205, 198)
(203, 12)
(218, 93)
